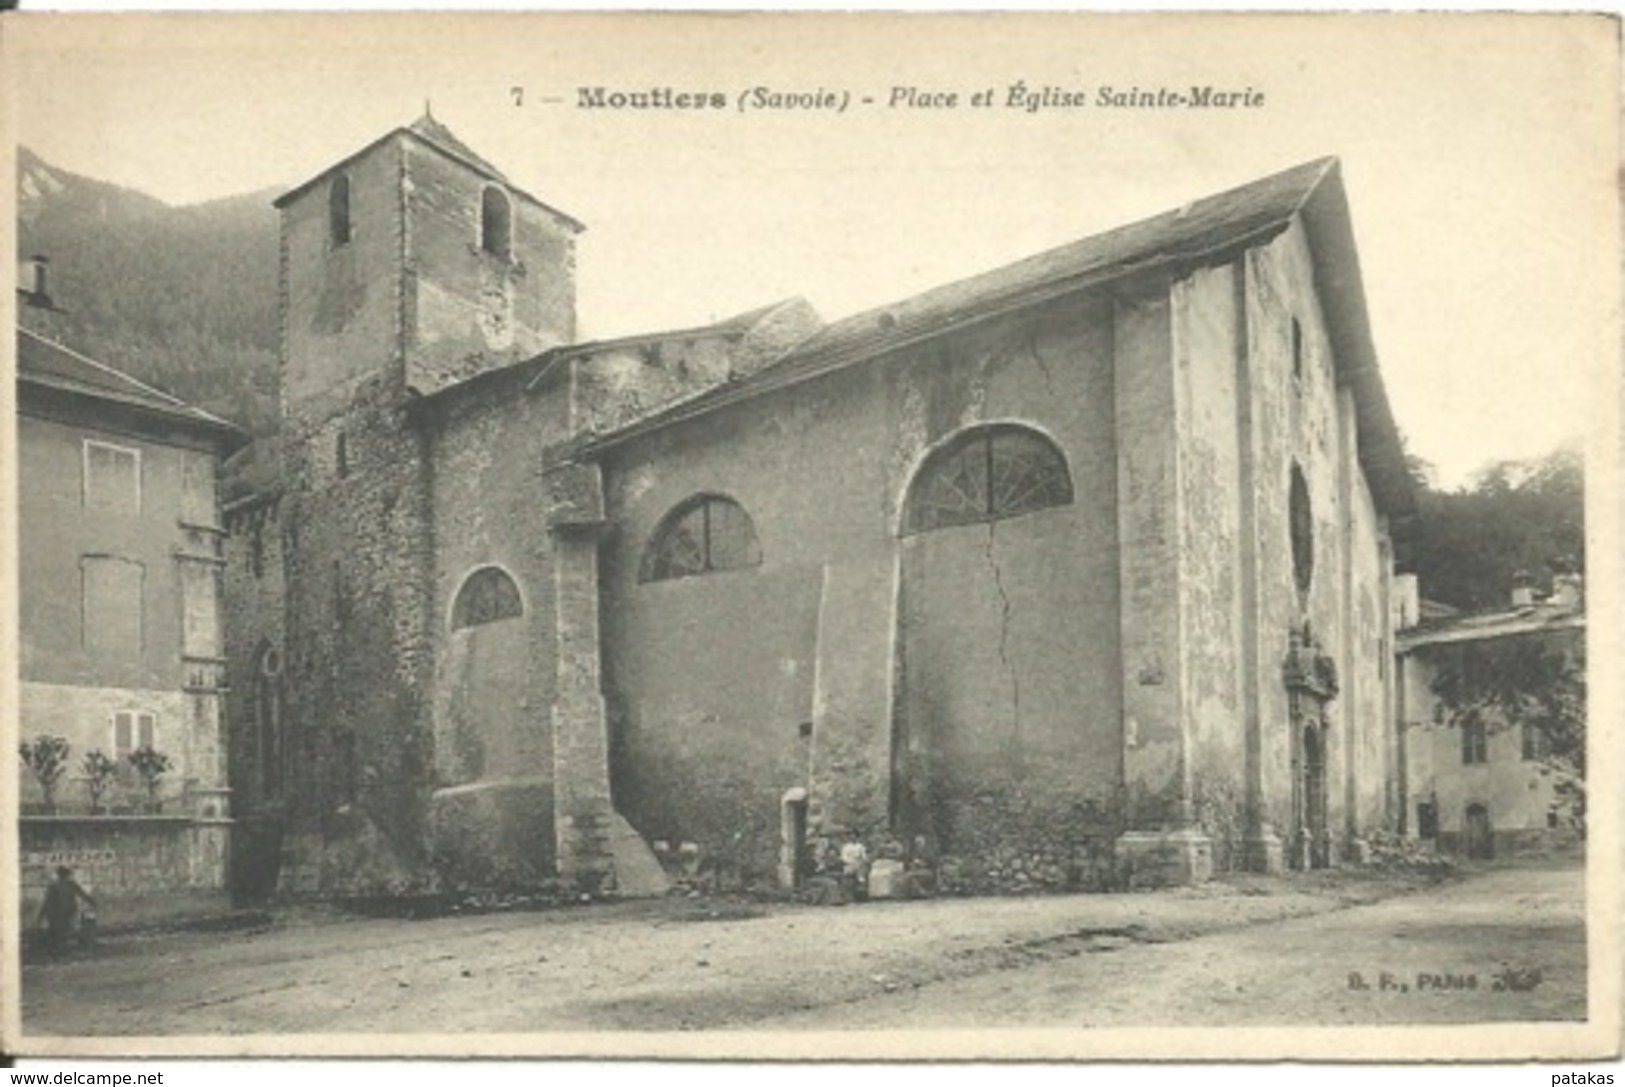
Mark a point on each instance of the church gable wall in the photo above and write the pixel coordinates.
(1299, 418)
(1253, 403)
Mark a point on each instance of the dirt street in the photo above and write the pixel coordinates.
(1244, 951)
(1506, 946)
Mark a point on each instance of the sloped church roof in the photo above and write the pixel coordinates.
(1207, 232)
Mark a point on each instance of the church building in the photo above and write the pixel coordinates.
(1075, 572)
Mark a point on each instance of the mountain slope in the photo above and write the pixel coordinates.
(184, 298)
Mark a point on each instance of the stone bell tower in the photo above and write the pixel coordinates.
(416, 260)
(408, 267)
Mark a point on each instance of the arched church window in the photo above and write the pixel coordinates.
(487, 595)
(1302, 526)
(705, 534)
(986, 473)
(496, 222)
(338, 211)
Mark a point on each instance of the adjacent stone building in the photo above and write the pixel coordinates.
(119, 562)
(1075, 572)
(1480, 784)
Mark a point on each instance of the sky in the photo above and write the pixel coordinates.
(1478, 152)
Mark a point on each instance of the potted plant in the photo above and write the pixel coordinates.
(151, 765)
(98, 770)
(47, 756)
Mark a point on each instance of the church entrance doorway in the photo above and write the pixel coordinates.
(795, 851)
(1311, 683)
(1427, 820)
(256, 847)
(1316, 834)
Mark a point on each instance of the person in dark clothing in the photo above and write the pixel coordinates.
(61, 910)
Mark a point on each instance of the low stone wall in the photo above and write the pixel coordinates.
(139, 868)
(1006, 842)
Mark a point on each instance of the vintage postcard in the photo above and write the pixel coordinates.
(809, 536)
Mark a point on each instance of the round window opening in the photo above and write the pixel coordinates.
(1303, 531)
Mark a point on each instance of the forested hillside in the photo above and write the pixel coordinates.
(1517, 520)
(182, 297)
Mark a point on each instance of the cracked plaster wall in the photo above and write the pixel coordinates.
(1009, 630)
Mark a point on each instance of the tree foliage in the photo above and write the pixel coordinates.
(1531, 682)
(152, 765)
(47, 757)
(98, 770)
(1516, 519)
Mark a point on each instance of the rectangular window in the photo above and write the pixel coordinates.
(132, 730)
(1535, 747)
(112, 478)
(110, 606)
(1474, 743)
